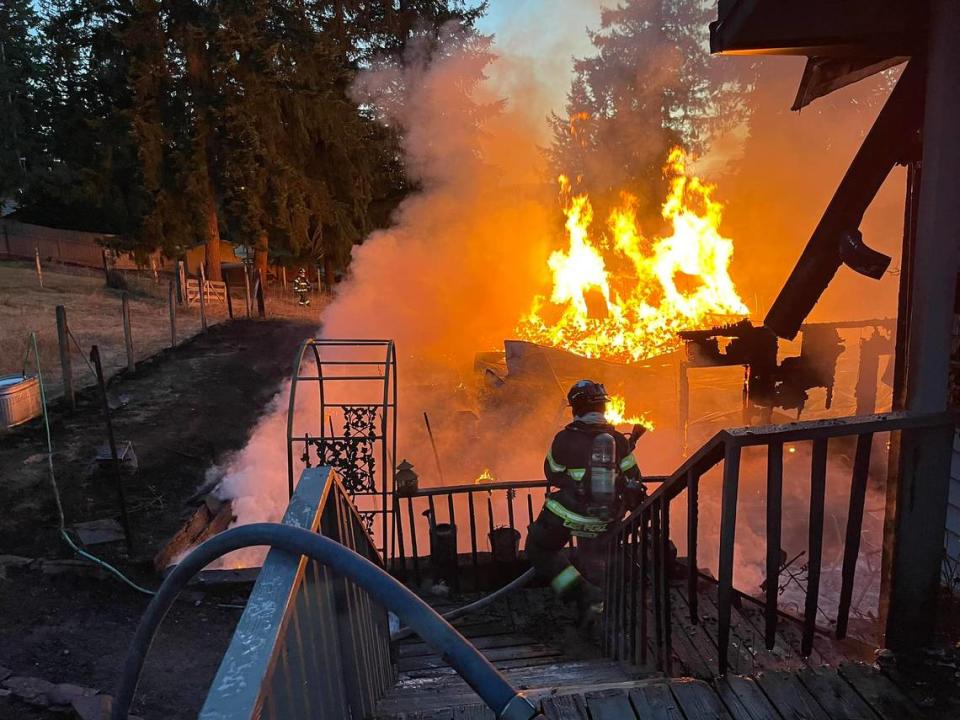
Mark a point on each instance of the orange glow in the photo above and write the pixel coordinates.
(637, 314)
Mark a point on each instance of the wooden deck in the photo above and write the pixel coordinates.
(531, 640)
(695, 644)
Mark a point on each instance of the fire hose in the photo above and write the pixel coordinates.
(505, 701)
(510, 587)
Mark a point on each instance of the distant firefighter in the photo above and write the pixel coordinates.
(301, 286)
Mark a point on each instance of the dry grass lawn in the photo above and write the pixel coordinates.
(93, 316)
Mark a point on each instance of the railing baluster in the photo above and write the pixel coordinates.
(620, 591)
(605, 622)
(530, 506)
(510, 495)
(644, 582)
(413, 540)
(851, 547)
(693, 515)
(656, 551)
(456, 550)
(728, 529)
(473, 542)
(398, 519)
(634, 583)
(490, 521)
(774, 525)
(433, 510)
(665, 584)
(818, 483)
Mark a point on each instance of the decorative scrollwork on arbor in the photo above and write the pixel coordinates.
(352, 454)
(368, 518)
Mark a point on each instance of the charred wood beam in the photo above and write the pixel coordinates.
(836, 239)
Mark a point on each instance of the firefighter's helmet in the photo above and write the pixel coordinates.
(587, 395)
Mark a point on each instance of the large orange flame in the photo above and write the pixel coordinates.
(674, 283)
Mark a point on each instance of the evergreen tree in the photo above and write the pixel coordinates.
(86, 173)
(19, 84)
(651, 85)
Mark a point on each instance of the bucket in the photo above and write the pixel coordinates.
(505, 544)
(443, 550)
(19, 399)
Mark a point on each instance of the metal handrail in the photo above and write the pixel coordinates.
(315, 654)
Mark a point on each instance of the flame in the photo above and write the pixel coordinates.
(484, 477)
(616, 414)
(638, 314)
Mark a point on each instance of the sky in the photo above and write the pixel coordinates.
(538, 40)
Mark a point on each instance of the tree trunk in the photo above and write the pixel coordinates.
(197, 79)
(212, 237)
(260, 254)
(328, 272)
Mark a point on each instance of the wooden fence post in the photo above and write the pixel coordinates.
(36, 257)
(203, 305)
(246, 284)
(64, 341)
(172, 300)
(181, 283)
(261, 305)
(226, 290)
(283, 274)
(127, 335)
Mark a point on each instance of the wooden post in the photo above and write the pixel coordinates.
(728, 529)
(851, 546)
(246, 284)
(36, 257)
(181, 283)
(203, 305)
(226, 290)
(127, 335)
(64, 340)
(261, 305)
(917, 493)
(319, 281)
(818, 485)
(774, 539)
(693, 522)
(121, 496)
(283, 275)
(172, 300)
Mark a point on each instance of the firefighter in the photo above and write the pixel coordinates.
(592, 478)
(301, 286)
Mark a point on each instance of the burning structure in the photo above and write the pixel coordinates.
(644, 311)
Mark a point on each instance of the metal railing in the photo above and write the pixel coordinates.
(637, 583)
(310, 644)
(521, 499)
(485, 507)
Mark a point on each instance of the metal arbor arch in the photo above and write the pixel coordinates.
(355, 430)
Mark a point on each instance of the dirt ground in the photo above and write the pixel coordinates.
(182, 409)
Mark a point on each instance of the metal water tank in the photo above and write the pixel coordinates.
(19, 399)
